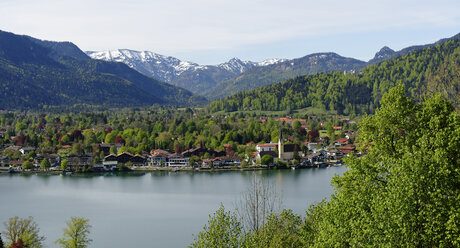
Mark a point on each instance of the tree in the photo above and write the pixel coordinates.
(405, 192)
(25, 229)
(259, 201)
(280, 230)
(76, 148)
(27, 165)
(1, 241)
(192, 160)
(76, 233)
(45, 164)
(223, 230)
(64, 164)
(266, 159)
(113, 150)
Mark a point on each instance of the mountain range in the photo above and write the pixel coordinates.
(218, 81)
(425, 71)
(36, 74)
(188, 75)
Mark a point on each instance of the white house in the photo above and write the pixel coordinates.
(177, 160)
(266, 147)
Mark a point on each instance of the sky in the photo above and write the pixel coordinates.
(214, 31)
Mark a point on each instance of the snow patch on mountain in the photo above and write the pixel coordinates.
(168, 68)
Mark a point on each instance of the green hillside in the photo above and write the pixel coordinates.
(425, 71)
(36, 73)
(266, 75)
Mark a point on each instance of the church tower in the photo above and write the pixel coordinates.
(280, 145)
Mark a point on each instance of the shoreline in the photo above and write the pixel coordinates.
(158, 169)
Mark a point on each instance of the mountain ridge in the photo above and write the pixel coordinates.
(189, 75)
(35, 73)
(217, 81)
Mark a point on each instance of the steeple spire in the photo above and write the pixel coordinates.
(280, 145)
(281, 136)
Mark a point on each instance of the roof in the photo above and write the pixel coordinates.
(175, 155)
(267, 145)
(16, 162)
(160, 154)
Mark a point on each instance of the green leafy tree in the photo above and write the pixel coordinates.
(25, 229)
(404, 192)
(75, 235)
(76, 148)
(45, 164)
(113, 150)
(266, 159)
(64, 164)
(280, 230)
(223, 230)
(27, 165)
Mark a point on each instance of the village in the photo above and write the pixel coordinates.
(318, 152)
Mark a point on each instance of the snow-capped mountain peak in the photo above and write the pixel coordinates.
(236, 65)
(169, 69)
(165, 68)
(271, 62)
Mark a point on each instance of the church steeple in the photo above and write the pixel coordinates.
(280, 145)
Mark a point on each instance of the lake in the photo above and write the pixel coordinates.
(152, 209)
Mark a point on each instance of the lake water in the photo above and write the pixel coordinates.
(153, 209)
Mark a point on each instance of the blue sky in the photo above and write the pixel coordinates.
(213, 31)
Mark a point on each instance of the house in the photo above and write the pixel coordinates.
(334, 154)
(55, 159)
(347, 149)
(312, 146)
(14, 163)
(125, 157)
(3, 160)
(266, 147)
(138, 160)
(158, 160)
(314, 157)
(76, 162)
(177, 160)
(215, 162)
(230, 160)
(26, 150)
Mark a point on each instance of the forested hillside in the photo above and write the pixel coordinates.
(430, 70)
(266, 75)
(35, 73)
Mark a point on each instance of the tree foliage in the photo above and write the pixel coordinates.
(75, 235)
(223, 230)
(422, 72)
(26, 230)
(45, 164)
(405, 191)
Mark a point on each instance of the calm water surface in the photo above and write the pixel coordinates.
(157, 209)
